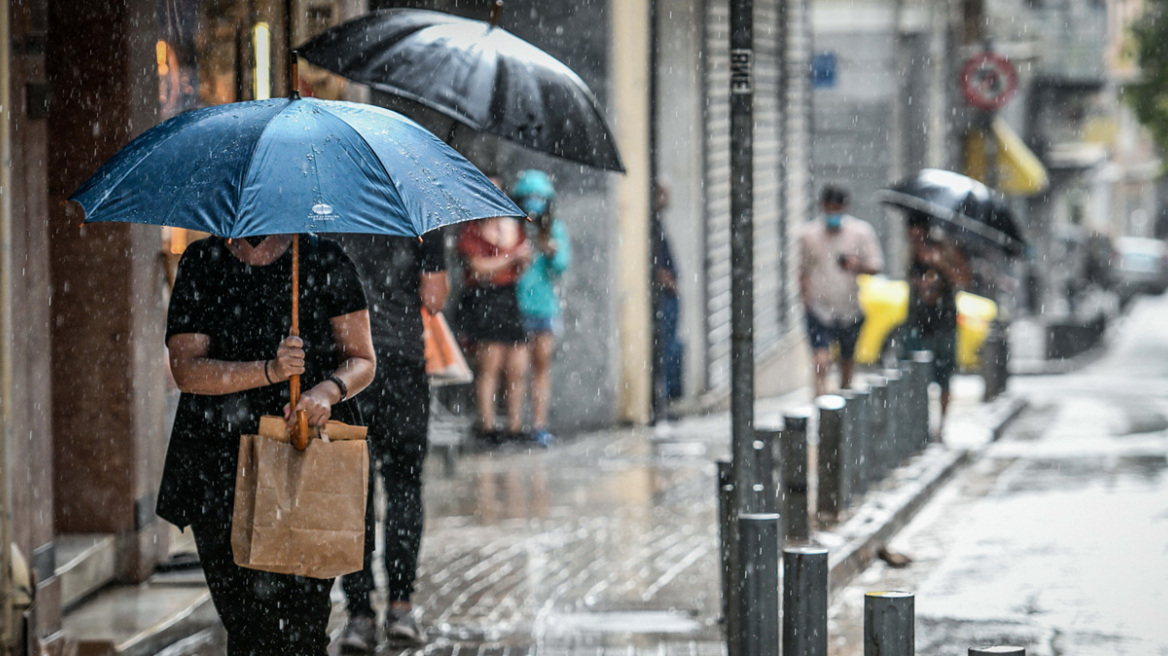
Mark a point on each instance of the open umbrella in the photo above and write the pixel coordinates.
(290, 166)
(475, 73)
(973, 214)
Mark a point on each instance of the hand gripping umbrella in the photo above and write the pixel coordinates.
(476, 73)
(975, 215)
(289, 166)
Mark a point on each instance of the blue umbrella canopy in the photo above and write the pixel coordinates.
(289, 166)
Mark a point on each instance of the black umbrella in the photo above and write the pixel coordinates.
(973, 214)
(475, 73)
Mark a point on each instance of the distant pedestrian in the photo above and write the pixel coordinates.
(401, 276)
(227, 331)
(833, 250)
(667, 348)
(495, 253)
(539, 301)
(938, 269)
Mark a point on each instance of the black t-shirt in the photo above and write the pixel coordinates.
(390, 268)
(938, 312)
(246, 311)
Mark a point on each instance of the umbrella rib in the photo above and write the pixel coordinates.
(965, 222)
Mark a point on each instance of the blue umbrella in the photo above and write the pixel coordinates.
(287, 166)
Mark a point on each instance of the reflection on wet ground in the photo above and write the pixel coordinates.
(607, 541)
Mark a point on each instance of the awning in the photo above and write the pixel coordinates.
(1019, 171)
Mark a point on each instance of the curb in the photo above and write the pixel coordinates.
(913, 485)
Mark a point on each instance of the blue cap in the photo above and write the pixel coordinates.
(533, 191)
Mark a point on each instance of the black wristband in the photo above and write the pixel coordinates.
(266, 374)
(341, 386)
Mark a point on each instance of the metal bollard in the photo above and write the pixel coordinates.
(878, 407)
(758, 598)
(793, 479)
(889, 455)
(766, 491)
(728, 551)
(858, 436)
(805, 601)
(831, 427)
(1000, 650)
(994, 359)
(889, 624)
(923, 361)
(906, 442)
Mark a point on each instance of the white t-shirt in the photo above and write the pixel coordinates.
(833, 292)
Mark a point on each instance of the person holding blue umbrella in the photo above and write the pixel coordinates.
(256, 305)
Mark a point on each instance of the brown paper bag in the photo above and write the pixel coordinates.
(301, 512)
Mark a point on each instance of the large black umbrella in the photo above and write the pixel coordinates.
(973, 214)
(475, 73)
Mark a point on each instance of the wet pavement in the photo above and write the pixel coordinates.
(1057, 538)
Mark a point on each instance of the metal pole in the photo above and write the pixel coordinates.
(998, 650)
(805, 601)
(793, 480)
(758, 600)
(742, 250)
(742, 286)
(728, 550)
(831, 427)
(889, 624)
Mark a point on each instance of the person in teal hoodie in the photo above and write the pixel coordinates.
(539, 301)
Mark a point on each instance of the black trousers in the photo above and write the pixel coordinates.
(396, 407)
(265, 614)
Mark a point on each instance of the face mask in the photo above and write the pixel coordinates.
(834, 221)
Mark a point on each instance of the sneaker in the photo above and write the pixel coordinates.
(402, 629)
(359, 636)
(542, 437)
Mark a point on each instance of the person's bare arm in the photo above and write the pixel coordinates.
(434, 287)
(195, 373)
(358, 363)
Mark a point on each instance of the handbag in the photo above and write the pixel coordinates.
(445, 363)
(301, 512)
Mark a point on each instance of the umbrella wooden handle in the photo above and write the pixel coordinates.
(496, 9)
(300, 432)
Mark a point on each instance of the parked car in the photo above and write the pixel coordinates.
(885, 306)
(1139, 265)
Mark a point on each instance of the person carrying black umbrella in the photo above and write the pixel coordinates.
(938, 269)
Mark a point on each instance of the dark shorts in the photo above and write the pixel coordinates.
(491, 314)
(943, 344)
(823, 334)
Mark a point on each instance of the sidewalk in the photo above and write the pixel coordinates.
(605, 542)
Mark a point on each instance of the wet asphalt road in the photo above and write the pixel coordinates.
(1057, 538)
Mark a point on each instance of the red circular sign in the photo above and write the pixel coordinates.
(988, 80)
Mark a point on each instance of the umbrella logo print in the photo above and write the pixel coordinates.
(323, 212)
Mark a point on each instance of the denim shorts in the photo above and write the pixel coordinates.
(535, 325)
(845, 333)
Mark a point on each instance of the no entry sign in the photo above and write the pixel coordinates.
(988, 80)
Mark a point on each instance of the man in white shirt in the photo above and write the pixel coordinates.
(833, 250)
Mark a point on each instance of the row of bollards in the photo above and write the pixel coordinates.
(765, 610)
(864, 434)
(867, 432)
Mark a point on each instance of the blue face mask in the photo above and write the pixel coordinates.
(834, 221)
